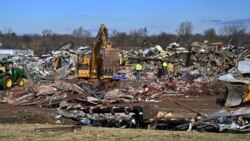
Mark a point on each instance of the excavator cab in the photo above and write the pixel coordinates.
(83, 67)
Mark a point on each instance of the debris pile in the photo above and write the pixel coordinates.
(202, 62)
(201, 72)
(234, 120)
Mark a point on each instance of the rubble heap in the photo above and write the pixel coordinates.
(56, 85)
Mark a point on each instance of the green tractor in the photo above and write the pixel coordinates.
(10, 75)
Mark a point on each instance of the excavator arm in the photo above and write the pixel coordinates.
(104, 58)
(100, 41)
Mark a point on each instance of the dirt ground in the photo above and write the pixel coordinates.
(199, 101)
(35, 114)
(29, 114)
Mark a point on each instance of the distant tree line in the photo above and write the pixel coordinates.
(235, 34)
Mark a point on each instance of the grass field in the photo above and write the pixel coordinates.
(26, 132)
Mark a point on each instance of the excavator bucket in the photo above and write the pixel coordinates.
(233, 97)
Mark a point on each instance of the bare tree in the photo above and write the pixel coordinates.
(184, 35)
(26, 40)
(185, 31)
(81, 35)
(10, 39)
(119, 39)
(46, 32)
(136, 37)
(210, 34)
(46, 40)
(162, 39)
(235, 32)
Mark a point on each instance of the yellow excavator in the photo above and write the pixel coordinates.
(103, 61)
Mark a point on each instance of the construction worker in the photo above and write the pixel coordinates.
(159, 64)
(164, 67)
(138, 69)
(170, 70)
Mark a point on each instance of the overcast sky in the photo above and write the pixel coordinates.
(62, 16)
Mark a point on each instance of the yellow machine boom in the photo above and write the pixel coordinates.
(104, 59)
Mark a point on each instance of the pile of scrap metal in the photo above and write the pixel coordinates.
(112, 116)
(226, 120)
(204, 62)
(74, 96)
(153, 53)
(50, 93)
(47, 94)
(118, 116)
(84, 102)
(58, 64)
(236, 121)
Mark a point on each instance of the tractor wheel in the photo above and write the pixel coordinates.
(7, 82)
(20, 82)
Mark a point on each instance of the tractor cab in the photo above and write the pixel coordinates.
(10, 75)
(6, 66)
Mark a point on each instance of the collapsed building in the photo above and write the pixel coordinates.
(209, 90)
